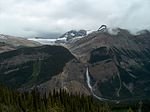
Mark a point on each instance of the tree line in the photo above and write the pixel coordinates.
(14, 101)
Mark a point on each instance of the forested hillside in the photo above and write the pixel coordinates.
(13, 101)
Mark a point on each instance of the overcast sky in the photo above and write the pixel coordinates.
(34, 17)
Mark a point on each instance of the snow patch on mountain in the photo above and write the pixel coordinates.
(44, 41)
(68, 37)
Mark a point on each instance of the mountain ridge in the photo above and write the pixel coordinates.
(118, 65)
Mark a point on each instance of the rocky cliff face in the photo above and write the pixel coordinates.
(71, 36)
(119, 64)
(122, 40)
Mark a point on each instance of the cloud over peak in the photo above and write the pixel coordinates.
(29, 17)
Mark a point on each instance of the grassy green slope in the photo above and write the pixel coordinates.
(26, 67)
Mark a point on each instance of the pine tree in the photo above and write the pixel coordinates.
(129, 110)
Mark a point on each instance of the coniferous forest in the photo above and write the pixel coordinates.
(13, 101)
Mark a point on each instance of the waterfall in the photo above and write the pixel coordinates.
(89, 84)
(90, 87)
(88, 79)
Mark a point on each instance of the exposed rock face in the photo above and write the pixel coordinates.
(71, 36)
(72, 79)
(97, 39)
(119, 65)
(73, 33)
(102, 28)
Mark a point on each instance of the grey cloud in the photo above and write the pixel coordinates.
(34, 17)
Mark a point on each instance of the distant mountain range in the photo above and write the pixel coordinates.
(118, 64)
(68, 37)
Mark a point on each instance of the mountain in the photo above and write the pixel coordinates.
(73, 34)
(118, 62)
(30, 66)
(41, 66)
(8, 43)
(110, 64)
(67, 38)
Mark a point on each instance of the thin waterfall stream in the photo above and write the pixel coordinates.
(88, 80)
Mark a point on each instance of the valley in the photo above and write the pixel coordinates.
(110, 67)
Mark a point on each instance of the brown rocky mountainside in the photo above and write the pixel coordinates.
(8, 43)
(111, 65)
(119, 66)
(119, 62)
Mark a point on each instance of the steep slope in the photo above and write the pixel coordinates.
(119, 63)
(123, 39)
(68, 36)
(118, 66)
(31, 66)
(72, 80)
(8, 43)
